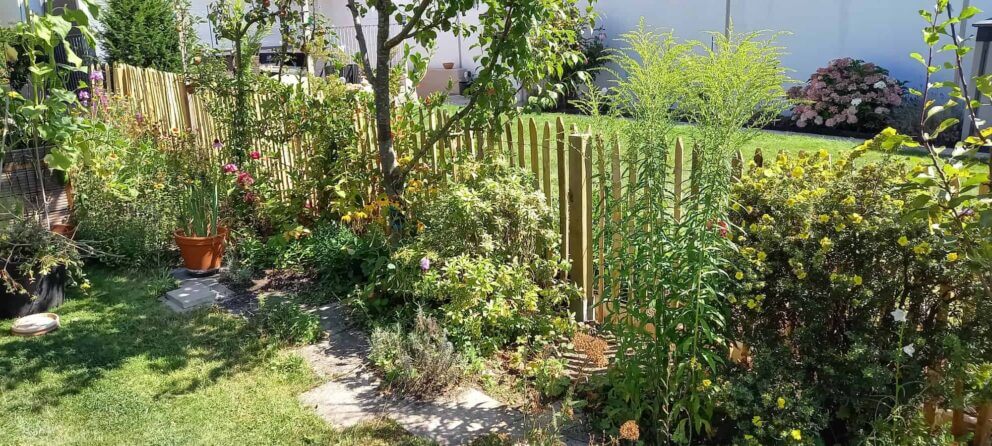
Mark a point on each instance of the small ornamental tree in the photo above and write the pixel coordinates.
(520, 46)
(142, 33)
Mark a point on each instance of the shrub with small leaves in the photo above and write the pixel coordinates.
(823, 258)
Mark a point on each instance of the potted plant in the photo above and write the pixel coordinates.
(37, 266)
(201, 238)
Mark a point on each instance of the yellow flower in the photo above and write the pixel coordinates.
(903, 241)
(762, 256)
(346, 219)
(922, 249)
(756, 421)
(858, 280)
(952, 257)
(739, 275)
(797, 435)
(824, 218)
(707, 383)
(840, 227)
(849, 201)
(826, 243)
(798, 172)
(752, 304)
(856, 218)
(790, 202)
(781, 403)
(800, 275)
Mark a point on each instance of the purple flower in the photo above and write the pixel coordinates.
(230, 168)
(140, 118)
(425, 264)
(96, 76)
(218, 145)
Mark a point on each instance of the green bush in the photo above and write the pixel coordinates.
(419, 362)
(285, 321)
(142, 33)
(478, 263)
(496, 212)
(824, 257)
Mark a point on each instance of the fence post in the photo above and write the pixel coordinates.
(562, 185)
(679, 181)
(580, 222)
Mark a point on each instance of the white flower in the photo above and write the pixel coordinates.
(856, 102)
(909, 350)
(899, 315)
(604, 90)
(880, 85)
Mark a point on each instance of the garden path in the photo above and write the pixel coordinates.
(352, 394)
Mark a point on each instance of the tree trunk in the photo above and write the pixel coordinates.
(391, 175)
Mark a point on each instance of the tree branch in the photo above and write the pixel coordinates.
(411, 24)
(437, 135)
(363, 46)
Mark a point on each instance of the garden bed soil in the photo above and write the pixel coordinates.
(43, 294)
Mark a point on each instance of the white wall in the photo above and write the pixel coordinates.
(10, 12)
(880, 31)
(446, 50)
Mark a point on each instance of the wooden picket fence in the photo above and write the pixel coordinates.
(575, 169)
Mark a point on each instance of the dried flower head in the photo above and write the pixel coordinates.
(592, 347)
(630, 431)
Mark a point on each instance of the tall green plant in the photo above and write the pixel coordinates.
(664, 282)
(201, 209)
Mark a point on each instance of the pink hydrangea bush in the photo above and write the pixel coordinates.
(847, 94)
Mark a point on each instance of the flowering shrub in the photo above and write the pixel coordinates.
(838, 297)
(478, 262)
(848, 93)
(125, 197)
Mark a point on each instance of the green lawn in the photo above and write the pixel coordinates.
(770, 142)
(123, 370)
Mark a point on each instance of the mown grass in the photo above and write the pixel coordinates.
(123, 370)
(770, 142)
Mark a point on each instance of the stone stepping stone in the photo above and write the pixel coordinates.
(195, 292)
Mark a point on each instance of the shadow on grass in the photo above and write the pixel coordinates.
(121, 320)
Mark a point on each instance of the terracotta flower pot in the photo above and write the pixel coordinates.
(65, 230)
(448, 65)
(202, 254)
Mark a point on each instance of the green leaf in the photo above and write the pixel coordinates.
(71, 56)
(60, 25)
(969, 12)
(41, 70)
(58, 160)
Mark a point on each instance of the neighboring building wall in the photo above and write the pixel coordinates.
(449, 48)
(10, 12)
(880, 31)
